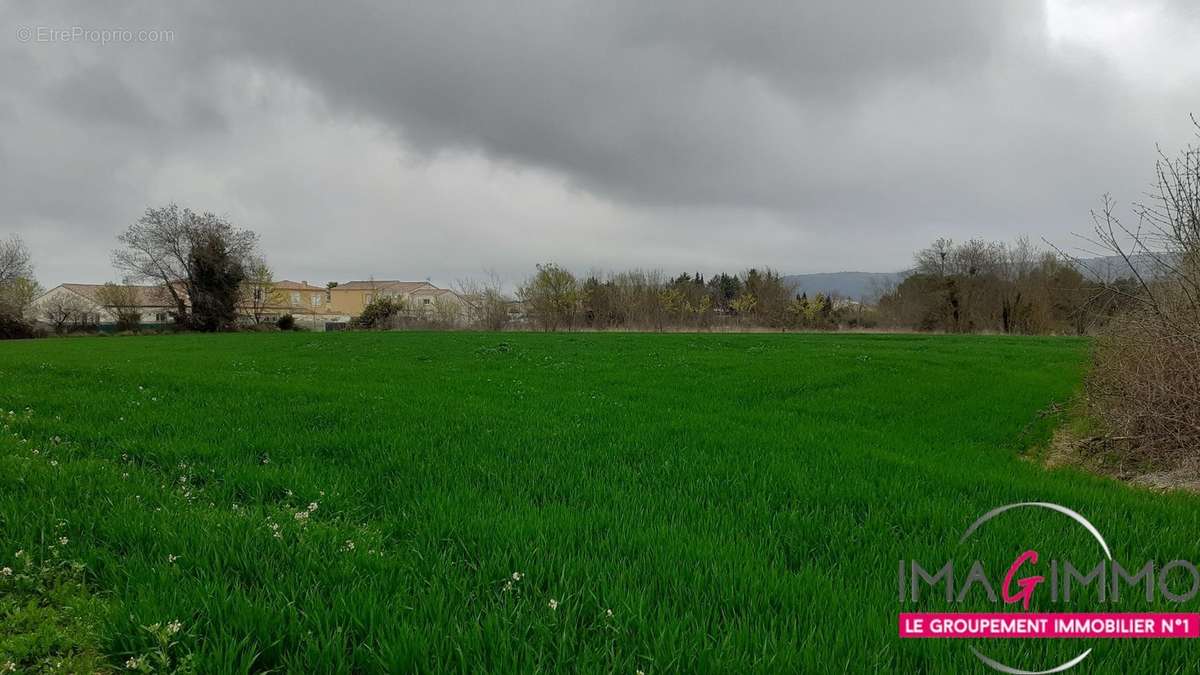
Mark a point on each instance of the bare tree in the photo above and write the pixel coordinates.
(18, 288)
(260, 292)
(64, 311)
(161, 247)
(1146, 383)
(486, 304)
(1016, 265)
(445, 312)
(935, 261)
(15, 261)
(123, 302)
(17, 296)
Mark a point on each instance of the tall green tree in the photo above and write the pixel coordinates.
(215, 285)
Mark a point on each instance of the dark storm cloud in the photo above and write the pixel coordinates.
(838, 134)
(668, 104)
(836, 109)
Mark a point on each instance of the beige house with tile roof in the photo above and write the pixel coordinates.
(353, 296)
(307, 303)
(422, 299)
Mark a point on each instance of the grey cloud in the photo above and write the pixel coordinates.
(833, 135)
(96, 94)
(772, 105)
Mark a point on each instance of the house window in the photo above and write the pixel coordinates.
(316, 300)
(426, 301)
(295, 297)
(258, 293)
(368, 298)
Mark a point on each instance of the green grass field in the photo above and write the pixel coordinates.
(361, 502)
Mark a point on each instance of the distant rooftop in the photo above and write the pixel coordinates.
(147, 296)
(384, 285)
(286, 285)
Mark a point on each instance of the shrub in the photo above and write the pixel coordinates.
(129, 322)
(12, 328)
(551, 297)
(1145, 386)
(382, 313)
(286, 322)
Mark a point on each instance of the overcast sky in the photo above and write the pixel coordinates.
(437, 139)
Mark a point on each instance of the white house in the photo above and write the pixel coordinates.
(77, 305)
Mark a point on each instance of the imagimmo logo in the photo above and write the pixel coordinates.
(1030, 575)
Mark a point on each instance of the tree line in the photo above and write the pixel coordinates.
(214, 274)
(556, 299)
(979, 286)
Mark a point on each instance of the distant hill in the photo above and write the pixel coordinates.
(1109, 268)
(867, 286)
(853, 285)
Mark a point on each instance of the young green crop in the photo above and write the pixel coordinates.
(471, 502)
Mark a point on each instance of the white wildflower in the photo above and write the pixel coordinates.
(608, 613)
(9, 667)
(172, 558)
(312, 506)
(5, 571)
(516, 576)
(349, 545)
(553, 604)
(54, 462)
(174, 627)
(63, 541)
